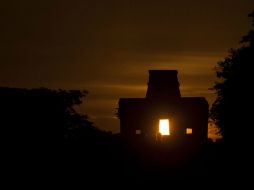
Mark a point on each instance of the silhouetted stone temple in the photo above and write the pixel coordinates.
(163, 114)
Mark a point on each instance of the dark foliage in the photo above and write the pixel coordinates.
(44, 139)
(42, 115)
(231, 110)
(232, 113)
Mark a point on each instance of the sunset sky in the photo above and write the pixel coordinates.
(108, 46)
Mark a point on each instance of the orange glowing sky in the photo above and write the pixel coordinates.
(107, 47)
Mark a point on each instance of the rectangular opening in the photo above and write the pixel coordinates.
(164, 128)
(189, 131)
(138, 131)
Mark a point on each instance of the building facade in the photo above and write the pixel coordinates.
(163, 114)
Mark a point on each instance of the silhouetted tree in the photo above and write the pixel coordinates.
(231, 110)
(42, 133)
(41, 116)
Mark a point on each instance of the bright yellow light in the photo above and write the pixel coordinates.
(164, 127)
(189, 131)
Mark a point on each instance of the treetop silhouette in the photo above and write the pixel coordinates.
(230, 111)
